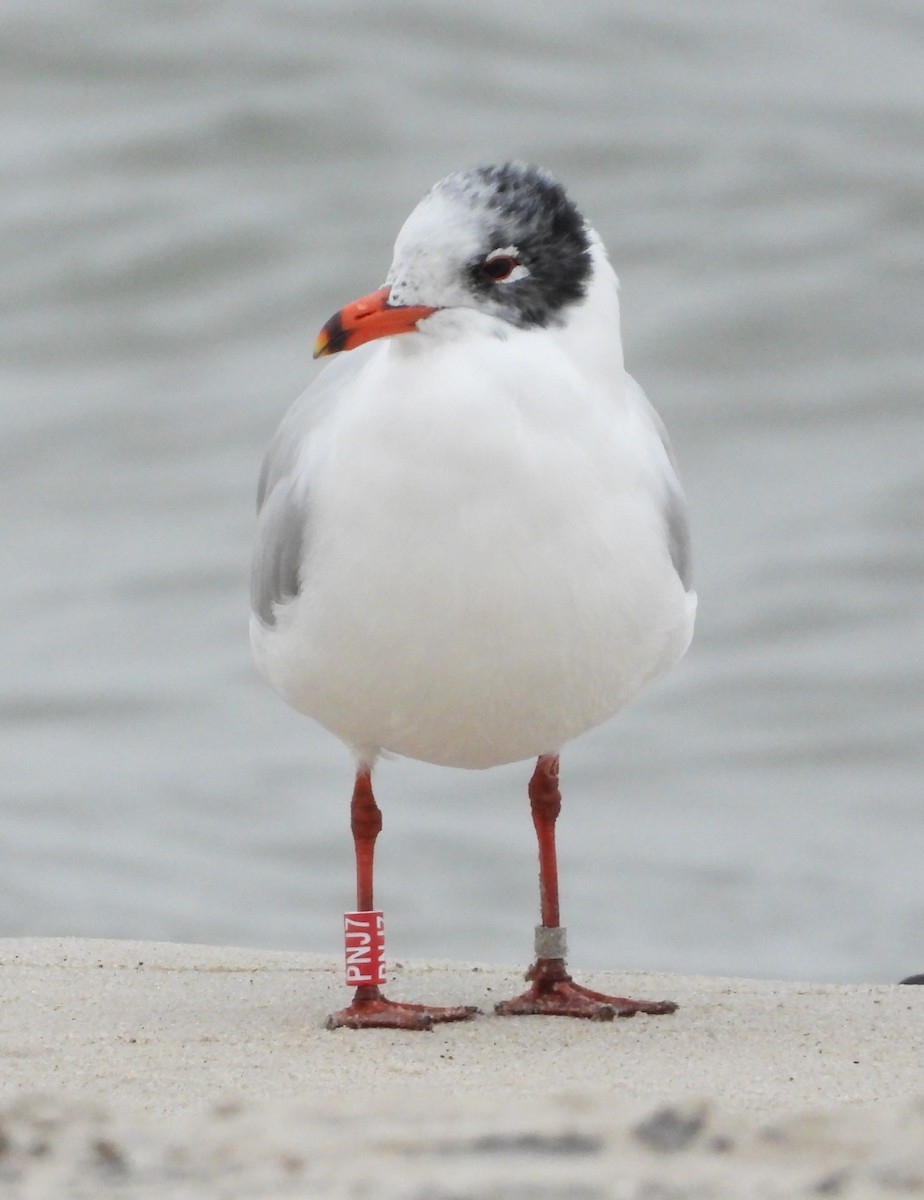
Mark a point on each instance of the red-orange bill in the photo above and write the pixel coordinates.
(366, 319)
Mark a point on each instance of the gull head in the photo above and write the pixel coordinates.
(504, 241)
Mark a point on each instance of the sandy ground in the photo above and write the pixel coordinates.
(134, 1069)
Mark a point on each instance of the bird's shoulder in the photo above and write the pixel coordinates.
(284, 490)
(671, 498)
(304, 418)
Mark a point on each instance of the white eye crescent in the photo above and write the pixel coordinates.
(503, 265)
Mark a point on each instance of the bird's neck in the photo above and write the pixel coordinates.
(592, 332)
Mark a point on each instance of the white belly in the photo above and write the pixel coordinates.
(482, 582)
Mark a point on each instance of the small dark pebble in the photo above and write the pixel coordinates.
(671, 1129)
(830, 1185)
(528, 1143)
(228, 1108)
(109, 1156)
(914, 979)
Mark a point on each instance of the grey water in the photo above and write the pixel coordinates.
(187, 191)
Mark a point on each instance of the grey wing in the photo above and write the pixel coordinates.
(284, 493)
(277, 558)
(674, 504)
(678, 534)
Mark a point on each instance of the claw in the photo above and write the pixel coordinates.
(553, 993)
(377, 1012)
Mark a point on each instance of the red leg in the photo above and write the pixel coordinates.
(553, 992)
(370, 1009)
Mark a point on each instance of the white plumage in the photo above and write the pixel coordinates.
(472, 544)
(485, 569)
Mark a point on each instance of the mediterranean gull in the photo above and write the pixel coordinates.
(472, 545)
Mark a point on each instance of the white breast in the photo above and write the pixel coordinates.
(486, 571)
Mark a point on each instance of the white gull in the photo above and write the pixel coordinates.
(472, 544)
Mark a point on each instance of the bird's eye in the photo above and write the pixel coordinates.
(499, 268)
